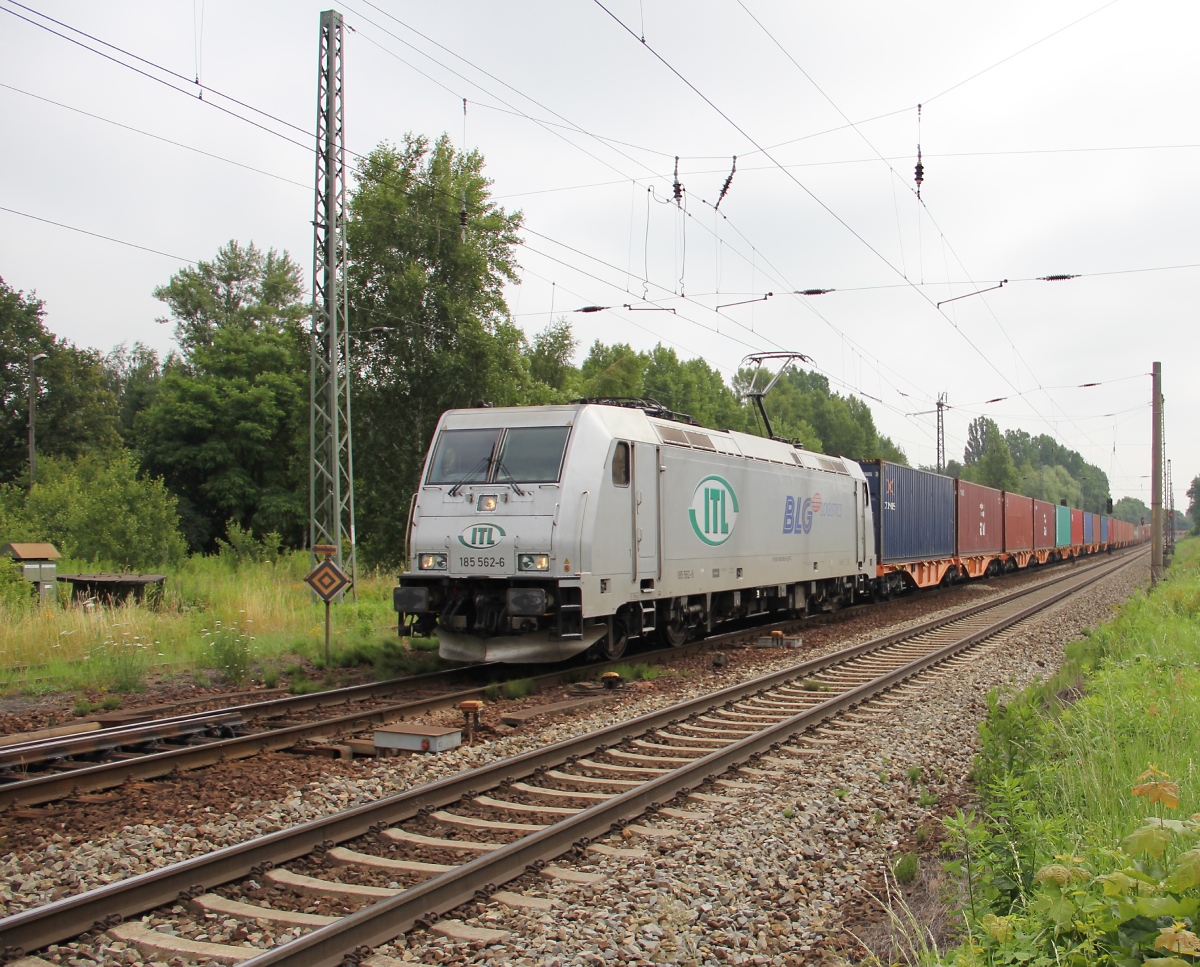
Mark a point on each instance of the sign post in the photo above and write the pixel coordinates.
(328, 581)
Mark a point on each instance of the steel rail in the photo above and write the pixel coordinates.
(107, 775)
(40, 789)
(104, 906)
(376, 924)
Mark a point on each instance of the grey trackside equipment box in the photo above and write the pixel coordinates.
(36, 562)
(417, 738)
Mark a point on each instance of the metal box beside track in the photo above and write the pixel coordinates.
(1018, 523)
(980, 519)
(1089, 528)
(914, 512)
(1076, 527)
(417, 738)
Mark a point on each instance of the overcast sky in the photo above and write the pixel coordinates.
(1057, 138)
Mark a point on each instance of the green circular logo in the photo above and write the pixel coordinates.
(714, 510)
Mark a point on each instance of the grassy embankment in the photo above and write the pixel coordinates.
(1087, 850)
(236, 621)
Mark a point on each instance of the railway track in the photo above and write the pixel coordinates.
(37, 772)
(458, 840)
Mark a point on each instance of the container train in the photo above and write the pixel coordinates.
(545, 531)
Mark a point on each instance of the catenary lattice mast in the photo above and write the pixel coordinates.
(331, 469)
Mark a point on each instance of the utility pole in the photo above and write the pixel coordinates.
(33, 415)
(331, 470)
(941, 433)
(1156, 479)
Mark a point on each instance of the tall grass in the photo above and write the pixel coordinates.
(1140, 706)
(71, 645)
(1083, 851)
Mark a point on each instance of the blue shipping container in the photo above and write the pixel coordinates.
(1104, 529)
(1089, 527)
(913, 510)
(1062, 526)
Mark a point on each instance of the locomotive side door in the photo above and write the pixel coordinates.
(645, 509)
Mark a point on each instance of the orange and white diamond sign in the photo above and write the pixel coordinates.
(328, 580)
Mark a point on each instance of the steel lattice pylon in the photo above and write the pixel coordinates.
(331, 468)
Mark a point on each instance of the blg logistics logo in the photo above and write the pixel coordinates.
(481, 535)
(798, 514)
(714, 510)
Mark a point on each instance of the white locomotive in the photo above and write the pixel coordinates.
(540, 532)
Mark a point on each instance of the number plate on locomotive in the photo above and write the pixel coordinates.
(480, 563)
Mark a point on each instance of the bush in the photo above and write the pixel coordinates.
(96, 509)
(242, 547)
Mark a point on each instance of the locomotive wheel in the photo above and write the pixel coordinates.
(611, 647)
(675, 632)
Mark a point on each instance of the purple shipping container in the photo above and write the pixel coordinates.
(914, 512)
(1105, 530)
(1089, 528)
(1018, 523)
(1043, 525)
(980, 519)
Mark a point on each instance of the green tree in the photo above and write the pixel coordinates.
(979, 431)
(996, 467)
(1193, 511)
(242, 289)
(227, 423)
(438, 290)
(96, 508)
(76, 411)
(613, 371)
(550, 356)
(132, 376)
(1131, 510)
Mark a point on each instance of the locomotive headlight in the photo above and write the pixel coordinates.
(533, 562)
(487, 503)
(431, 562)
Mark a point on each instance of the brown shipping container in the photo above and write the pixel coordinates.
(1076, 528)
(1043, 525)
(980, 519)
(1018, 523)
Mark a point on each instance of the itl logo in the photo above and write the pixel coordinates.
(481, 535)
(714, 510)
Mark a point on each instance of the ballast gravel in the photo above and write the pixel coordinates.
(779, 877)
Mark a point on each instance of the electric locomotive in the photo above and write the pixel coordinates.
(541, 532)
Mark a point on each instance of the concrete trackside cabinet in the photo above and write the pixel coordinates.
(36, 565)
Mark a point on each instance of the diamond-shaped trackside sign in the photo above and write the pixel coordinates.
(328, 580)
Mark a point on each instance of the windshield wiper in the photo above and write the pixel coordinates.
(466, 477)
(512, 481)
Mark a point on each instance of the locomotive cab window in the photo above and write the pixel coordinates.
(531, 454)
(620, 465)
(520, 454)
(463, 456)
